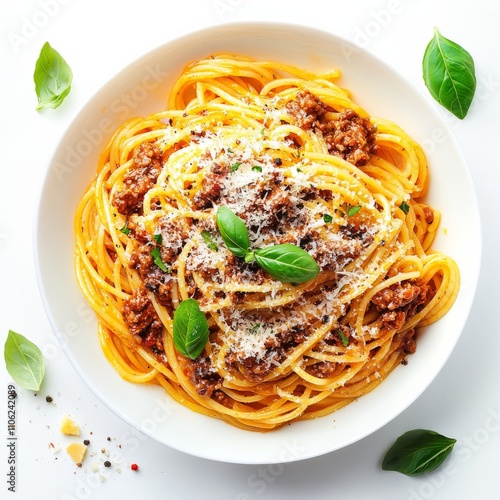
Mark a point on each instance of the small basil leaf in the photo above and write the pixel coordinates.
(190, 329)
(417, 452)
(287, 263)
(449, 74)
(233, 232)
(53, 78)
(24, 361)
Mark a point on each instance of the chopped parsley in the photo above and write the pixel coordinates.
(155, 253)
(254, 328)
(327, 218)
(235, 166)
(353, 210)
(257, 168)
(404, 207)
(125, 230)
(350, 210)
(209, 240)
(345, 340)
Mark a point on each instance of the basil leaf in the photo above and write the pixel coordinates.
(52, 78)
(190, 329)
(24, 361)
(233, 232)
(287, 263)
(449, 74)
(417, 452)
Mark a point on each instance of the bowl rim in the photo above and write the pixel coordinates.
(185, 38)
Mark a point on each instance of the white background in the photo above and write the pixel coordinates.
(98, 39)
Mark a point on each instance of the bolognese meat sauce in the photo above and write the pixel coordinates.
(139, 179)
(347, 135)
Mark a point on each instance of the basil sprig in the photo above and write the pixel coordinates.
(190, 329)
(24, 361)
(449, 74)
(286, 263)
(417, 452)
(53, 78)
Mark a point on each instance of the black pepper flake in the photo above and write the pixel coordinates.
(107, 463)
(86, 442)
(108, 438)
(278, 162)
(48, 399)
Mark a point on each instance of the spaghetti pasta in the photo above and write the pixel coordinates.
(299, 162)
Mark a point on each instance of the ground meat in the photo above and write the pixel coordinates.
(331, 254)
(393, 320)
(206, 380)
(399, 302)
(323, 369)
(349, 136)
(307, 110)
(211, 186)
(409, 342)
(142, 321)
(333, 337)
(428, 215)
(139, 179)
(154, 279)
(276, 351)
(176, 231)
(396, 296)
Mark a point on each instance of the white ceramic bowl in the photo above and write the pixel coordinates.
(142, 88)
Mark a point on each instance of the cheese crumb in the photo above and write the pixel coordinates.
(77, 452)
(69, 427)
